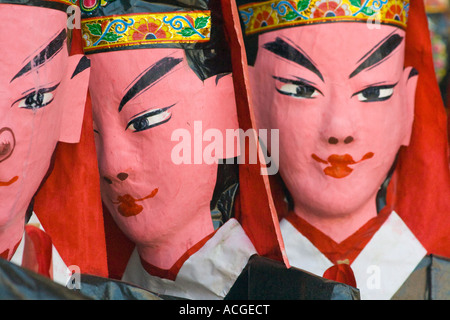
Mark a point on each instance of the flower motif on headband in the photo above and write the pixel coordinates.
(274, 14)
(119, 31)
(150, 28)
(330, 8)
(395, 11)
(264, 18)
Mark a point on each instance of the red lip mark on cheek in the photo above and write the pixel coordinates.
(8, 183)
(128, 206)
(339, 164)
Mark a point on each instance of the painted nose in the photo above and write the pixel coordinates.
(7, 143)
(341, 122)
(334, 140)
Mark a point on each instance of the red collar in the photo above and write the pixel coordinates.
(37, 254)
(5, 254)
(349, 248)
(171, 273)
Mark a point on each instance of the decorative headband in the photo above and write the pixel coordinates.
(143, 29)
(54, 4)
(275, 14)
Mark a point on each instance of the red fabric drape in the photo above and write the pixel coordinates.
(256, 210)
(420, 188)
(68, 205)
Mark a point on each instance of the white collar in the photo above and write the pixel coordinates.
(60, 272)
(380, 269)
(207, 274)
(18, 254)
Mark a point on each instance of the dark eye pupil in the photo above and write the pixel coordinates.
(371, 93)
(140, 124)
(304, 91)
(35, 99)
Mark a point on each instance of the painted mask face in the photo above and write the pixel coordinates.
(145, 103)
(343, 104)
(36, 87)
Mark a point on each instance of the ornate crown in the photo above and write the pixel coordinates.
(274, 14)
(120, 31)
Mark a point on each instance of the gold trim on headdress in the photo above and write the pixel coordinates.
(147, 28)
(274, 14)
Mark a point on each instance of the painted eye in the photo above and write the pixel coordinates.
(299, 91)
(372, 94)
(149, 120)
(37, 98)
(296, 88)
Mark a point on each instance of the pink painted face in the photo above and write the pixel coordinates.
(343, 104)
(151, 111)
(38, 107)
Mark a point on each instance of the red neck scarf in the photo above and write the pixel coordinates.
(340, 254)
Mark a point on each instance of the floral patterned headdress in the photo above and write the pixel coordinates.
(108, 25)
(269, 15)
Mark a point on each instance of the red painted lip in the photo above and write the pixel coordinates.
(339, 164)
(128, 206)
(8, 183)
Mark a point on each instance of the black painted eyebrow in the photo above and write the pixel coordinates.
(82, 65)
(51, 50)
(294, 54)
(149, 77)
(378, 53)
